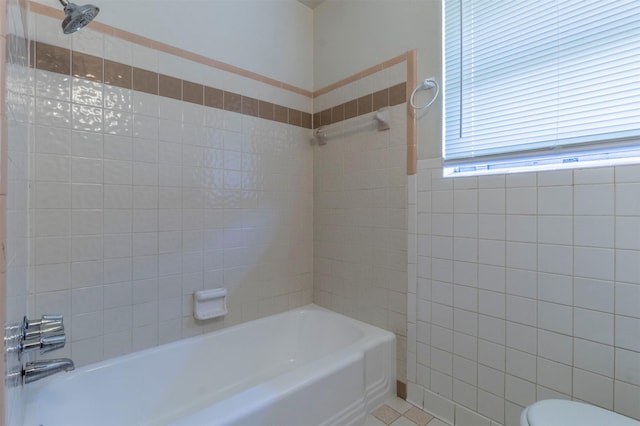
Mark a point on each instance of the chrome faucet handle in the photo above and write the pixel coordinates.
(44, 320)
(46, 343)
(42, 330)
(45, 325)
(46, 334)
(53, 342)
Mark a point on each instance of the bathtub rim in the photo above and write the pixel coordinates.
(369, 332)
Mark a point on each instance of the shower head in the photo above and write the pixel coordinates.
(76, 17)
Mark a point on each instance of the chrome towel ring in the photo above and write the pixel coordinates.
(426, 84)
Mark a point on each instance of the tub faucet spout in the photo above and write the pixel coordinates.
(36, 370)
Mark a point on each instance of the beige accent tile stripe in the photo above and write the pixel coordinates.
(410, 57)
(3, 18)
(362, 74)
(364, 104)
(64, 61)
(390, 96)
(401, 389)
(412, 134)
(166, 48)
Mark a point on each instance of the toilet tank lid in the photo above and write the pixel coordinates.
(558, 412)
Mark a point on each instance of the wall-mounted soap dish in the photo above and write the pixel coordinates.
(209, 304)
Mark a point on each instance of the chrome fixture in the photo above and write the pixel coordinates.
(46, 334)
(76, 17)
(426, 84)
(44, 320)
(46, 343)
(46, 324)
(34, 371)
(380, 119)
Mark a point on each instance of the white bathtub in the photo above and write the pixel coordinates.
(308, 366)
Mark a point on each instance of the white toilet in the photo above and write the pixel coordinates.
(558, 412)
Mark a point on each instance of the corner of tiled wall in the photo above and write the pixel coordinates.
(360, 206)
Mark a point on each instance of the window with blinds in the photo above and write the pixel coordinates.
(540, 84)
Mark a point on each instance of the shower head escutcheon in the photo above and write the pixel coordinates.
(76, 17)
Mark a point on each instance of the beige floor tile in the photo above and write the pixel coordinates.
(372, 421)
(386, 414)
(436, 422)
(403, 421)
(418, 416)
(398, 404)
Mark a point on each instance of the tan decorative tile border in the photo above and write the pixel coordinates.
(362, 74)
(412, 130)
(390, 96)
(118, 74)
(57, 13)
(401, 389)
(60, 60)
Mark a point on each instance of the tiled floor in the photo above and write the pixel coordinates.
(397, 412)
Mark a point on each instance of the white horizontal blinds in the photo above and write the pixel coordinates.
(452, 69)
(526, 75)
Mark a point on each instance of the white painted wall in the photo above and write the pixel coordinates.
(270, 37)
(352, 35)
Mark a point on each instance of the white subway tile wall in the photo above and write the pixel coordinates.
(360, 215)
(138, 201)
(527, 288)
